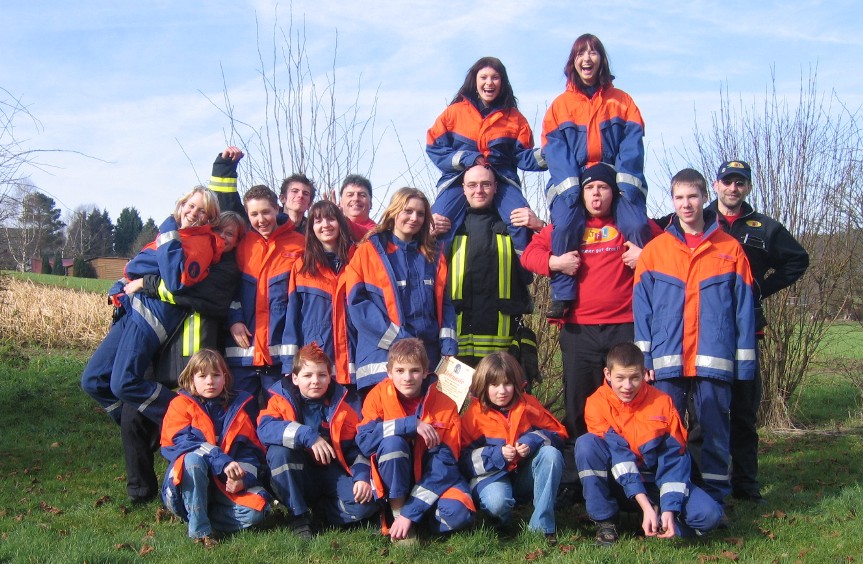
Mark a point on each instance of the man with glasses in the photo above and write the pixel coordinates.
(777, 260)
(489, 287)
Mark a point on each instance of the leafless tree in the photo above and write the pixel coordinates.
(307, 127)
(807, 161)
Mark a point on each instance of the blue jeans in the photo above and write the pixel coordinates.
(209, 509)
(537, 477)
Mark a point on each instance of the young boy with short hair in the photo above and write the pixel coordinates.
(635, 451)
(412, 433)
(309, 428)
(694, 315)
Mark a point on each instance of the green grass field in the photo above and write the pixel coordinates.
(64, 500)
(86, 284)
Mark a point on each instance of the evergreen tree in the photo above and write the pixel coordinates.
(58, 264)
(147, 235)
(46, 264)
(126, 232)
(83, 269)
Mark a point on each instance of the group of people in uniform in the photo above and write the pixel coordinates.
(302, 336)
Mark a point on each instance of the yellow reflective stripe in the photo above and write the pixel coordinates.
(504, 283)
(192, 334)
(165, 294)
(459, 257)
(221, 184)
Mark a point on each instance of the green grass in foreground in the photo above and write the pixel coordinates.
(85, 284)
(63, 499)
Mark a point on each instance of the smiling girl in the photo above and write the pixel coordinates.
(395, 287)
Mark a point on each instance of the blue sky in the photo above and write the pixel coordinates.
(131, 83)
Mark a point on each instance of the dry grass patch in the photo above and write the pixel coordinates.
(52, 317)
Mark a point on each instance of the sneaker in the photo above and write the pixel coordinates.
(207, 542)
(302, 527)
(409, 540)
(750, 496)
(606, 533)
(557, 309)
(551, 539)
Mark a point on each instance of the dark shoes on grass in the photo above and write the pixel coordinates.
(207, 542)
(301, 526)
(606, 533)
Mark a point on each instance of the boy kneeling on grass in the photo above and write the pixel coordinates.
(635, 450)
(411, 431)
(309, 428)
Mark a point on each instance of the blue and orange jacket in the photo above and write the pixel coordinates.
(647, 441)
(188, 428)
(460, 135)
(281, 424)
(261, 301)
(375, 316)
(694, 310)
(483, 434)
(578, 132)
(182, 258)
(435, 470)
(316, 312)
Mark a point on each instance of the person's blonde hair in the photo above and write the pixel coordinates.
(211, 203)
(425, 240)
(408, 350)
(497, 368)
(202, 362)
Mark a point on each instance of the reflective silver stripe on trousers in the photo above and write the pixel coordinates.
(746, 354)
(236, 305)
(285, 467)
(643, 345)
(205, 448)
(150, 399)
(563, 186)
(625, 178)
(393, 456)
(150, 318)
(114, 406)
(283, 350)
(716, 477)
(594, 473)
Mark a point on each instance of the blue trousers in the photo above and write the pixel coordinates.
(603, 496)
(711, 400)
(395, 466)
(451, 202)
(207, 508)
(256, 380)
(115, 372)
(568, 216)
(536, 479)
(299, 482)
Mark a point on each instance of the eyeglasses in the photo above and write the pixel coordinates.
(737, 183)
(473, 186)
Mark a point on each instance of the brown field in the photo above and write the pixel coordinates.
(51, 316)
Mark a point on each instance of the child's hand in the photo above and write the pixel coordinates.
(428, 433)
(135, 285)
(441, 224)
(233, 471)
(667, 525)
(235, 486)
(362, 492)
(232, 153)
(323, 451)
(241, 334)
(522, 449)
(509, 452)
(401, 527)
(650, 522)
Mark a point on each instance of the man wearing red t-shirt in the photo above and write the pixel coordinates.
(602, 314)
